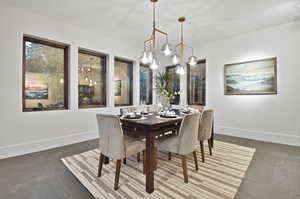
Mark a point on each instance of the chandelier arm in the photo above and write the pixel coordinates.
(160, 31)
(154, 26)
(178, 45)
(190, 47)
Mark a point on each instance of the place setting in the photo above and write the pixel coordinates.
(168, 114)
(134, 116)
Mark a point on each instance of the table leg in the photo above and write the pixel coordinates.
(150, 159)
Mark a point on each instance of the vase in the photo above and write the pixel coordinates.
(166, 104)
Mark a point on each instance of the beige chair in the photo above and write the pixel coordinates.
(205, 131)
(197, 107)
(113, 144)
(185, 142)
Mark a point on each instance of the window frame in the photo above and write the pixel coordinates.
(203, 61)
(130, 80)
(104, 66)
(54, 44)
(151, 83)
(167, 70)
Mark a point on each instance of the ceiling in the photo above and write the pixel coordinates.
(131, 20)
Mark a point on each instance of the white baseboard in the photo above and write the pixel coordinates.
(40, 145)
(31, 147)
(278, 138)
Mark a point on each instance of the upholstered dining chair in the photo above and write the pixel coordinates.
(197, 107)
(205, 131)
(114, 144)
(185, 142)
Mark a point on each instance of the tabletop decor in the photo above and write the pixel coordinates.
(251, 78)
(166, 94)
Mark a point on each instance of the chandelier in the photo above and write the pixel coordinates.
(148, 55)
(192, 61)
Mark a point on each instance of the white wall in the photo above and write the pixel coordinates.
(274, 118)
(270, 117)
(22, 133)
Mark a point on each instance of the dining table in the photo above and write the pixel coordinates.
(150, 127)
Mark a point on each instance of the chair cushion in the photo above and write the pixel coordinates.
(168, 143)
(133, 146)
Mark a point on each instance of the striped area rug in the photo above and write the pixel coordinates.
(218, 178)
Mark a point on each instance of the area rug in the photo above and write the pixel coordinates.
(218, 178)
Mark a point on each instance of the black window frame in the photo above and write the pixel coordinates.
(104, 66)
(177, 97)
(151, 84)
(203, 61)
(55, 44)
(130, 63)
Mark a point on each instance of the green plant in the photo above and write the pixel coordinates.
(161, 84)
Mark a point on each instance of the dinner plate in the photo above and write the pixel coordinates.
(133, 117)
(168, 116)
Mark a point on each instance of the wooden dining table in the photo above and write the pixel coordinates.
(150, 127)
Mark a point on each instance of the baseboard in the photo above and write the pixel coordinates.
(278, 138)
(40, 145)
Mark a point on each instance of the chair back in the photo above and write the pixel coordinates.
(197, 107)
(205, 125)
(111, 138)
(187, 137)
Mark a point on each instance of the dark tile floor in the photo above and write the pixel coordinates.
(274, 173)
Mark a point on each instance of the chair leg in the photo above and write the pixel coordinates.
(124, 161)
(210, 147)
(169, 156)
(202, 151)
(184, 167)
(101, 160)
(118, 169)
(196, 161)
(138, 157)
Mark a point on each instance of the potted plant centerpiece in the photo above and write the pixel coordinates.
(165, 93)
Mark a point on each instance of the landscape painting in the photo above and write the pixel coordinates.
(251, 78)
(36, 91)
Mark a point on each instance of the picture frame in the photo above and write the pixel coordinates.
(257, 77)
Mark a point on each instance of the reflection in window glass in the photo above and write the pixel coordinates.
(123, 82)
(44, 75)
(173, 83)
(145, 85)
(91, 85)
(196, 84)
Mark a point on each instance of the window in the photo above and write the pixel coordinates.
(45, 75)
(91, 79)
(145, 84)
(196, 78)
(173, 83)
(123, 82)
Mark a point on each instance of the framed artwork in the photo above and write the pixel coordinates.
(257, 77)
(118, 87)
(36, 91)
